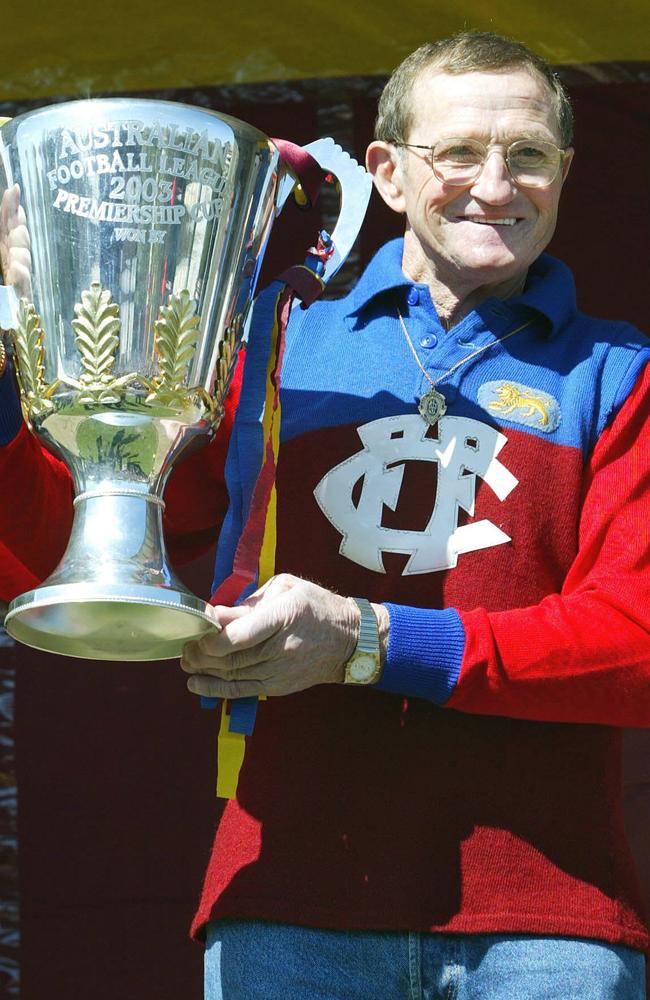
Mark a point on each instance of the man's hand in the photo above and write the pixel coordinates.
(15, 254)
(287, 636)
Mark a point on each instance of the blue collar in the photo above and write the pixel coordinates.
(550, 289)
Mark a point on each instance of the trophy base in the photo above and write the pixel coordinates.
(104, 622)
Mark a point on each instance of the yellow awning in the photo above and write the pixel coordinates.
(77, 49)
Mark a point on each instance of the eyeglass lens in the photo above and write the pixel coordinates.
(531, 162)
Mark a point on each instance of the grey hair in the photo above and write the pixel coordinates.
(467, 52)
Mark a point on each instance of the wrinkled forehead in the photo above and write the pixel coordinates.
(516, 96)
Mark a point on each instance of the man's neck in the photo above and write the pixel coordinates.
(455, 296)
(452, 308)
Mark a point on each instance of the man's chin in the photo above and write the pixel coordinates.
(484, 261)
(502, 275)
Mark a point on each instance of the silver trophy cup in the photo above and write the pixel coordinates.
(147, 222)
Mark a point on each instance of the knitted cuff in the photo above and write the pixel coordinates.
(425, 651)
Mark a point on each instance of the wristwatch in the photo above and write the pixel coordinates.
(364, 666)
(3, 355)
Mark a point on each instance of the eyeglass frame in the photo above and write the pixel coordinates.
(481, 166)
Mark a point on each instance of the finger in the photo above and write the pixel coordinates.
(200, 655)
(230, 666)
(248, 630)
(222, 614)
(243, 638)
(19, 237)
(215, 687)
(210, 644)
(20, 256)
(21, 279)
(275, 585)
(10, 202)
(194, 661)
(228, 669)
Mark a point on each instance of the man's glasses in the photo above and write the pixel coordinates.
(532, 163)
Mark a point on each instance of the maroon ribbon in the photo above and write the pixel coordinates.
(304, 166)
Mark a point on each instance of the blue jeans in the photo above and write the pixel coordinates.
(252, 960)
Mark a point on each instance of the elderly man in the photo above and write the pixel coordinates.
(463, 454)
(435, 811)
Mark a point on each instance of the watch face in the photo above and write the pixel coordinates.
(363, 667)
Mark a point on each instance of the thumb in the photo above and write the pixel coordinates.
(223, 615)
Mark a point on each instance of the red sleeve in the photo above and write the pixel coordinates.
(14, 577)
(196, 494)
(36, 504)
(582, 655)
(36, 517)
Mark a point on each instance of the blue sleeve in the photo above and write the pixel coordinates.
(425, 652)
(11, 417)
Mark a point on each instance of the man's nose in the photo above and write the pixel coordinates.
(494, 184)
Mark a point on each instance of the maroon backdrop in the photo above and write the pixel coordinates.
(116, 762)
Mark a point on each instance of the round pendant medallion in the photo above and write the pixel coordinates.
(432, 406)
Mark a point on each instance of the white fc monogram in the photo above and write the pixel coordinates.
(463, 449)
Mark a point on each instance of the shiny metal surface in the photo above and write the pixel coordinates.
(147, 222)
(104, 622)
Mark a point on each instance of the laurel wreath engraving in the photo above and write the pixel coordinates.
(177, 334)
(225, 362)
(97, 328)
(30, 359)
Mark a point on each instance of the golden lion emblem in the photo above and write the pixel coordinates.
(511, 398)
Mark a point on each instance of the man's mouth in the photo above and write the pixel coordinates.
(483, 221)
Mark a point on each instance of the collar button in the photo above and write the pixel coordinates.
(413, 296)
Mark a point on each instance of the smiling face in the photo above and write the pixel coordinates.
(486, 235)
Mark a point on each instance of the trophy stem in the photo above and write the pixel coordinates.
(111, 595)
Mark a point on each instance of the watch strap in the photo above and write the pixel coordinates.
(364, 666)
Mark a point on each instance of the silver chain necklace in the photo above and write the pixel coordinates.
(433, 405)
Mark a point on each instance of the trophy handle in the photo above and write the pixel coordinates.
(355, 186)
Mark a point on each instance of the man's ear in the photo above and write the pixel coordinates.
(383, 163)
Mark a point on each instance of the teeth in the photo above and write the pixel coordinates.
(490, 222)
